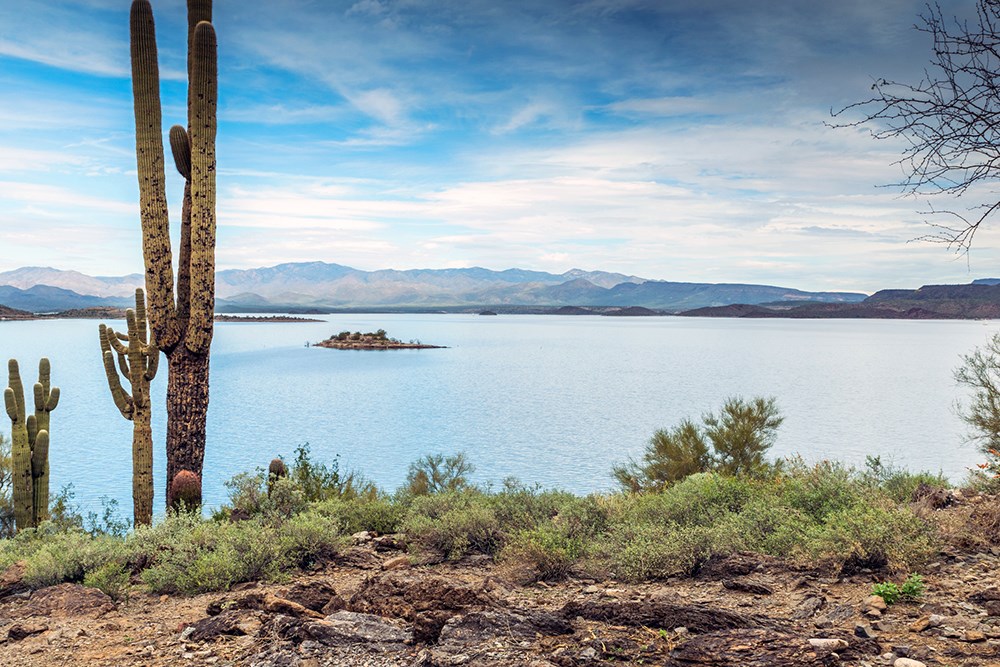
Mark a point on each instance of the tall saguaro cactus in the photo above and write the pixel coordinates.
(30, 444)
(181, 319)
(138, 359)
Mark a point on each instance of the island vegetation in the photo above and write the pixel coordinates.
(372, 340)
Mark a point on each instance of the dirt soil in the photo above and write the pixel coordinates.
(372, 607)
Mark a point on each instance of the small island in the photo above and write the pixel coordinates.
(377, 340)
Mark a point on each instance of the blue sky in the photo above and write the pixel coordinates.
(670, 139)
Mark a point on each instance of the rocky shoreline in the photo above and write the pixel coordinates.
(372, 605)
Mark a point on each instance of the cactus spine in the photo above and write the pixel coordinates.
(138, 359)
(30, 444)
(181, 320)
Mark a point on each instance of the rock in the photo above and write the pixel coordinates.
(398, 594)
(12, 579)
(67, 600)
(354, 628)
(396, 563)
(827, 644)
(876, 602)
(231, 622)
(696, 617)
(20, 631)
(362, 537)
(973, 636)
(747, 586)
(864, 631)
(907, 662)
(836, 615)
(389, 543)
(591, 590)
(477, 627)
(763, 648)
(934, 620)
(808, 607)
(734, 565)
(427, 624)
(921, 624)
(992, 607)
(314, 595)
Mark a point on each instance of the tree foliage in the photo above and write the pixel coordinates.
(980, 372)
(950, 119)
(437, 473)
(734, 442)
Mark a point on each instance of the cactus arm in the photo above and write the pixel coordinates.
(53, 401)
(180, 144)
(10, 403)
(31, 426)
(115, 340)
(140, 314)
(14, 384)
(122, 400)
(40, 475)
(204, 97)
(152, 355)
(152, 179)
(180, 147)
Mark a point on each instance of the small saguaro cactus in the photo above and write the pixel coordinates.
(275, 471)
(30, 444)
(138, 360)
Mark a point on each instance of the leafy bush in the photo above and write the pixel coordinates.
(912, 589)
(733, 442)
(437, 473)
(454, 524)
(112, 578)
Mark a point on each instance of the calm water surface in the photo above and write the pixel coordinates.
(548, 399)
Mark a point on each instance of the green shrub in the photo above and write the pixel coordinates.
(544, 553)
(733, 442)
(310, 538)
(454, 524)
(888, 591)
(911, 590)
(112, 578)
(437, 473)
(379, 514)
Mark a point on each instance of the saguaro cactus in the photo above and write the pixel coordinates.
(181, 319)
(30, 444)
(138, 360)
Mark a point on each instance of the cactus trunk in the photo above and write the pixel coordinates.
(138, 362)
(181, 318)
(187, 397)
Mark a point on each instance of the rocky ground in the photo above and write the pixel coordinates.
(372, 607)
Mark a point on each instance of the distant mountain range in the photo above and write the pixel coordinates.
(320, 286)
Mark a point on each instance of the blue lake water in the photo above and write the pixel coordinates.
(548, 399)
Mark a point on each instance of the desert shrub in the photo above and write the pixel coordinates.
(310, 538)
(202, 556)
(378, 514)
(701, 499)
(544, 553)
(111, 578)
(873, 534)
(980, 372)
(821, 489)
(437, 473)
(55, 557)
(897, 483)
(734, 442)
(454, 524)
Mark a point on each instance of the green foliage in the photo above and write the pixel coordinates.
(733, 442)
(318, 481)
(454, 524)
(897, 483)
(980, 372)
(911, 590)
(378, 514)
(112, 578)
(437, 473)
(886, 590)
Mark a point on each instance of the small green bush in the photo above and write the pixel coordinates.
(112, 578)
(733, 442)
(437, 473)
(454, 524)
